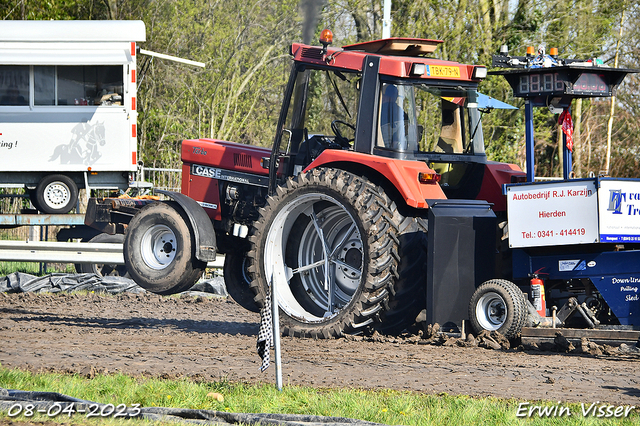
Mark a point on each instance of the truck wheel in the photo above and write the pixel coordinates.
(325, 220)
(159, 249)
(56, 194)
(103, 270)
(409, 293)
(237, 281)
(498, 305)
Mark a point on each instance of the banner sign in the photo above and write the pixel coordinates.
(619, 210)
(553, 213)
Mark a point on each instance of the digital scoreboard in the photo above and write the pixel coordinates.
(575, 81)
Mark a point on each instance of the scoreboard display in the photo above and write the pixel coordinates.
(569, 80)
(594, 84)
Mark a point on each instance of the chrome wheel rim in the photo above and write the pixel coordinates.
(56, 195)
(491, 311)
(158, 247)
(330, 241)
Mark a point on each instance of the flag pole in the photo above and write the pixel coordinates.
(386, 19)
(276, 333)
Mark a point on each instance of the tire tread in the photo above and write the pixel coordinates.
(372, 206)
(514, 299)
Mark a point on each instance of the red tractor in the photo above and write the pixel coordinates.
(369, 137)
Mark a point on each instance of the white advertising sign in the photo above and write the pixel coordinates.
(553, 213)
(619, 210)
(70, 140)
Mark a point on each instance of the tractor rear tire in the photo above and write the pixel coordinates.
(408, 295)
(498, 305)
(237, 281)
(325, 218)
(159, 249)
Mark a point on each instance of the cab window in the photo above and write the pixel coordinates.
(322, 101)
(423, 118)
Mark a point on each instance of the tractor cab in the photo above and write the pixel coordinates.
(384, 98)
(439, 125)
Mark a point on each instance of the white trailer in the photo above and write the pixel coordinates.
(67, 108)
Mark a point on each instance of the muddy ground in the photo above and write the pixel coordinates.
(214, 339)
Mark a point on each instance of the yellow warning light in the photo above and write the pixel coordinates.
(326, 37)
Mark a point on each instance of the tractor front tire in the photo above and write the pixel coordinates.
(325, 220)
(498, 305)
(159, 249)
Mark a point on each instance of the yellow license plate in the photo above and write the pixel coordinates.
(444, 71)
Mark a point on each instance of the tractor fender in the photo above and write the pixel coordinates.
(203, 233)
(402, 174)
(496, 176)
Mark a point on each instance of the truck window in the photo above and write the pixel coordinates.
(61, 85)
(14, 85)
(44, 85)
(78, 85)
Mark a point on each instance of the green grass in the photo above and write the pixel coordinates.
(383, 406)
(33, 268)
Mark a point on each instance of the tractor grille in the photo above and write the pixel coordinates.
(242, 160)
(312, 53)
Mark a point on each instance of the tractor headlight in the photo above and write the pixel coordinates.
(479, 73)
(418, 69)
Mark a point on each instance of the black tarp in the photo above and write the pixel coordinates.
(19, 282)
(14, 403)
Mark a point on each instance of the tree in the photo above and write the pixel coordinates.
(237, 96)
(61, 9)
(244, 44)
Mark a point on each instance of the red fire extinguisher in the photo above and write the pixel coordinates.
(537, 294)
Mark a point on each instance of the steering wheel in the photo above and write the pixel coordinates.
(342, 140)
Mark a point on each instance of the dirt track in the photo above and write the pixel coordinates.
(212, 338)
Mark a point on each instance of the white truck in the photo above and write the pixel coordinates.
(67, 108)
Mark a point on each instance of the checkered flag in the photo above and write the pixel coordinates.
(265, 335)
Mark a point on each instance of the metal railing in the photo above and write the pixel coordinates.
(28, 243)
(70, 252)
(161, 178)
